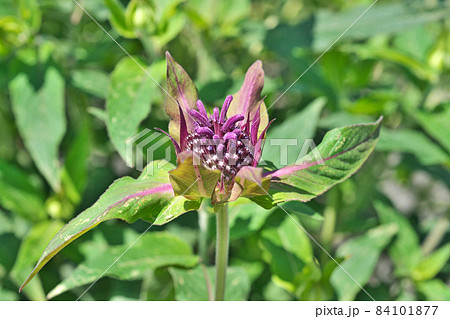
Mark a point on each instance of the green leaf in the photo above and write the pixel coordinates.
(417, 42)
(91, 81)
(150, 197)
(40, 118)
(292, 134)
(6, 295)
(434, 290)
(361, 256)
(157, 286)
(30, 249)
(11, 30)
(388, 18)
(245, 217)
(118, 20)
(76, 163)
(405, 249)
(7, 132)
(306, 215)
(151, 251)
(30, 12)
(127, 102)
(436, 124)
(289, 253)
(420, 69)
(337, 119)
(413, 142)
(19, 195)
(5, 224)
(272, 292)
(190, 284)
(231, 12)
(431, 265)
(343, 151)
(174, 26)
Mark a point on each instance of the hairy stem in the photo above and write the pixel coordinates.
(222, 243)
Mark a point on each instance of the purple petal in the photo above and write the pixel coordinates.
(215, 115)
(202, 108)
(225, 106)
(237, 131)
(204, 131)
(215, 120)
(229, 136)
(231, 121)
(200, 117)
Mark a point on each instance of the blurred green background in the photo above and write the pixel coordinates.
(64, 83)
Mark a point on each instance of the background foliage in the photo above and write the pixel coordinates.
(69, 96)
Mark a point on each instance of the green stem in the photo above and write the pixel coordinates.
(222, 244)
(208, 282)
(329, 217)
(329, 221)
(203, 221)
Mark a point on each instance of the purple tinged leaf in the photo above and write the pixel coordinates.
(246, 126)
(249, 182)
(191, 179)
(255, 125)
(175, 144)
(259, 145)
(248, 98)
(182, 93)
(341, 153)
(183, 129)
(263, 133)
(150, 197)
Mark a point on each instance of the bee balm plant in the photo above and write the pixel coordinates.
(217, 159)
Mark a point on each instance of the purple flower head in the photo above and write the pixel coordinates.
(227, 139)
